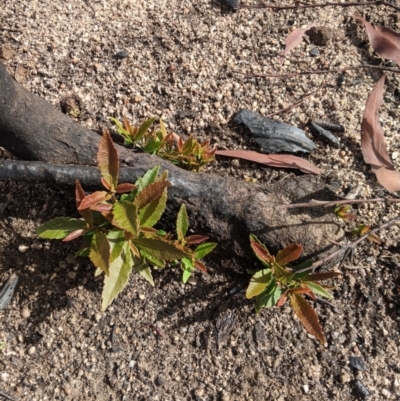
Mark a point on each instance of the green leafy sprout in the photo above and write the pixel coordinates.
(277, 282)
(191, 154)
(117, 226)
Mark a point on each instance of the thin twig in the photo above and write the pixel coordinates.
(318, 203)
(349, 247)
(290, 107)
(319, 72)
(300, 5)
(7, 396)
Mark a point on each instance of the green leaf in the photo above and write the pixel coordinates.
(261, 251)
(116, 239)
(182, 223)
(318, 289)
(307, 316)
(143, 129)
(161, 250)
(288, 254)
(204, 249)
(151, 193)
(125, 216)
(59, 227)
(141, 267)
(100, 251)
(149, 257)
(188, 268)
(107, 160)
(116, 281)
(269, 298)
(151, 214)
(259, 283)
(148, 178)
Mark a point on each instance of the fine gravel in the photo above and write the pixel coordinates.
(186, 62)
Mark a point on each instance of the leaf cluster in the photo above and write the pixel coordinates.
(276, 283)
(190, 155)
(117, 226)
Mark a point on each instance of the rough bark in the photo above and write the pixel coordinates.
(226, 209)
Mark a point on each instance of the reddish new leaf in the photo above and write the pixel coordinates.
(102, 207)
(281, 161)
(302, 291)
(94, 199)
(75, 234)
(373, 142)
(384, 41)
(282, 299)
(293, 40)
(307, 316)
(322, 276)
(195, 239)
(107, 160)
(288, 254)
(123, 188)
(151, 193)
(79, 196)
(201, 266)
(261, 251)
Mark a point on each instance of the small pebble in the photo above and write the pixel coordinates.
(306, 389)
(235, 163)
(314, 52)
(31, 350)
(23, 248)
(72, 275)
(358, 363)
(192, 281)
(160, 380)
(141, 296)
(132, 364)
(4, 376)
(25, 313)
(121, 55)
(386, 393)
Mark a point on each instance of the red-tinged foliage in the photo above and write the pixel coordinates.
(293, 40)
(151, 193)
(261, 252)
(94, 199)
(124, 188)
(384, 41)
(280, 161)
(282, 300)
(304, 291)
(107, 160)
(79, 196)
(105, 183)
(373, 142)
(200, 265)
(75, 234)
(102, 207)
(322, 276)
(307, 316)
(288, 254)
(195, 239)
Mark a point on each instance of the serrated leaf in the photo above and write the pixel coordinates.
(124, 188)
(182, 222)
(94, 199)
(148, 178)
(100, 251)
(288, 254)
(141, 267)
(59, 227)
(318, 289)
(195, 239)
(307, 316)
(107, 159)
(116, 240)
(258, 283)
(151, 213)
(149, 257)
(125, 216)
(116, 281)
(261, 251)
(204, 249)
(150, 194)
(160, 249)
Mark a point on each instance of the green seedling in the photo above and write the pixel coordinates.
(277, 282)
(117, 226)
(343, 212)
(363, 229)
(190, 154)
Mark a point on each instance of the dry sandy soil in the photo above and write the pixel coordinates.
(161, 343)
